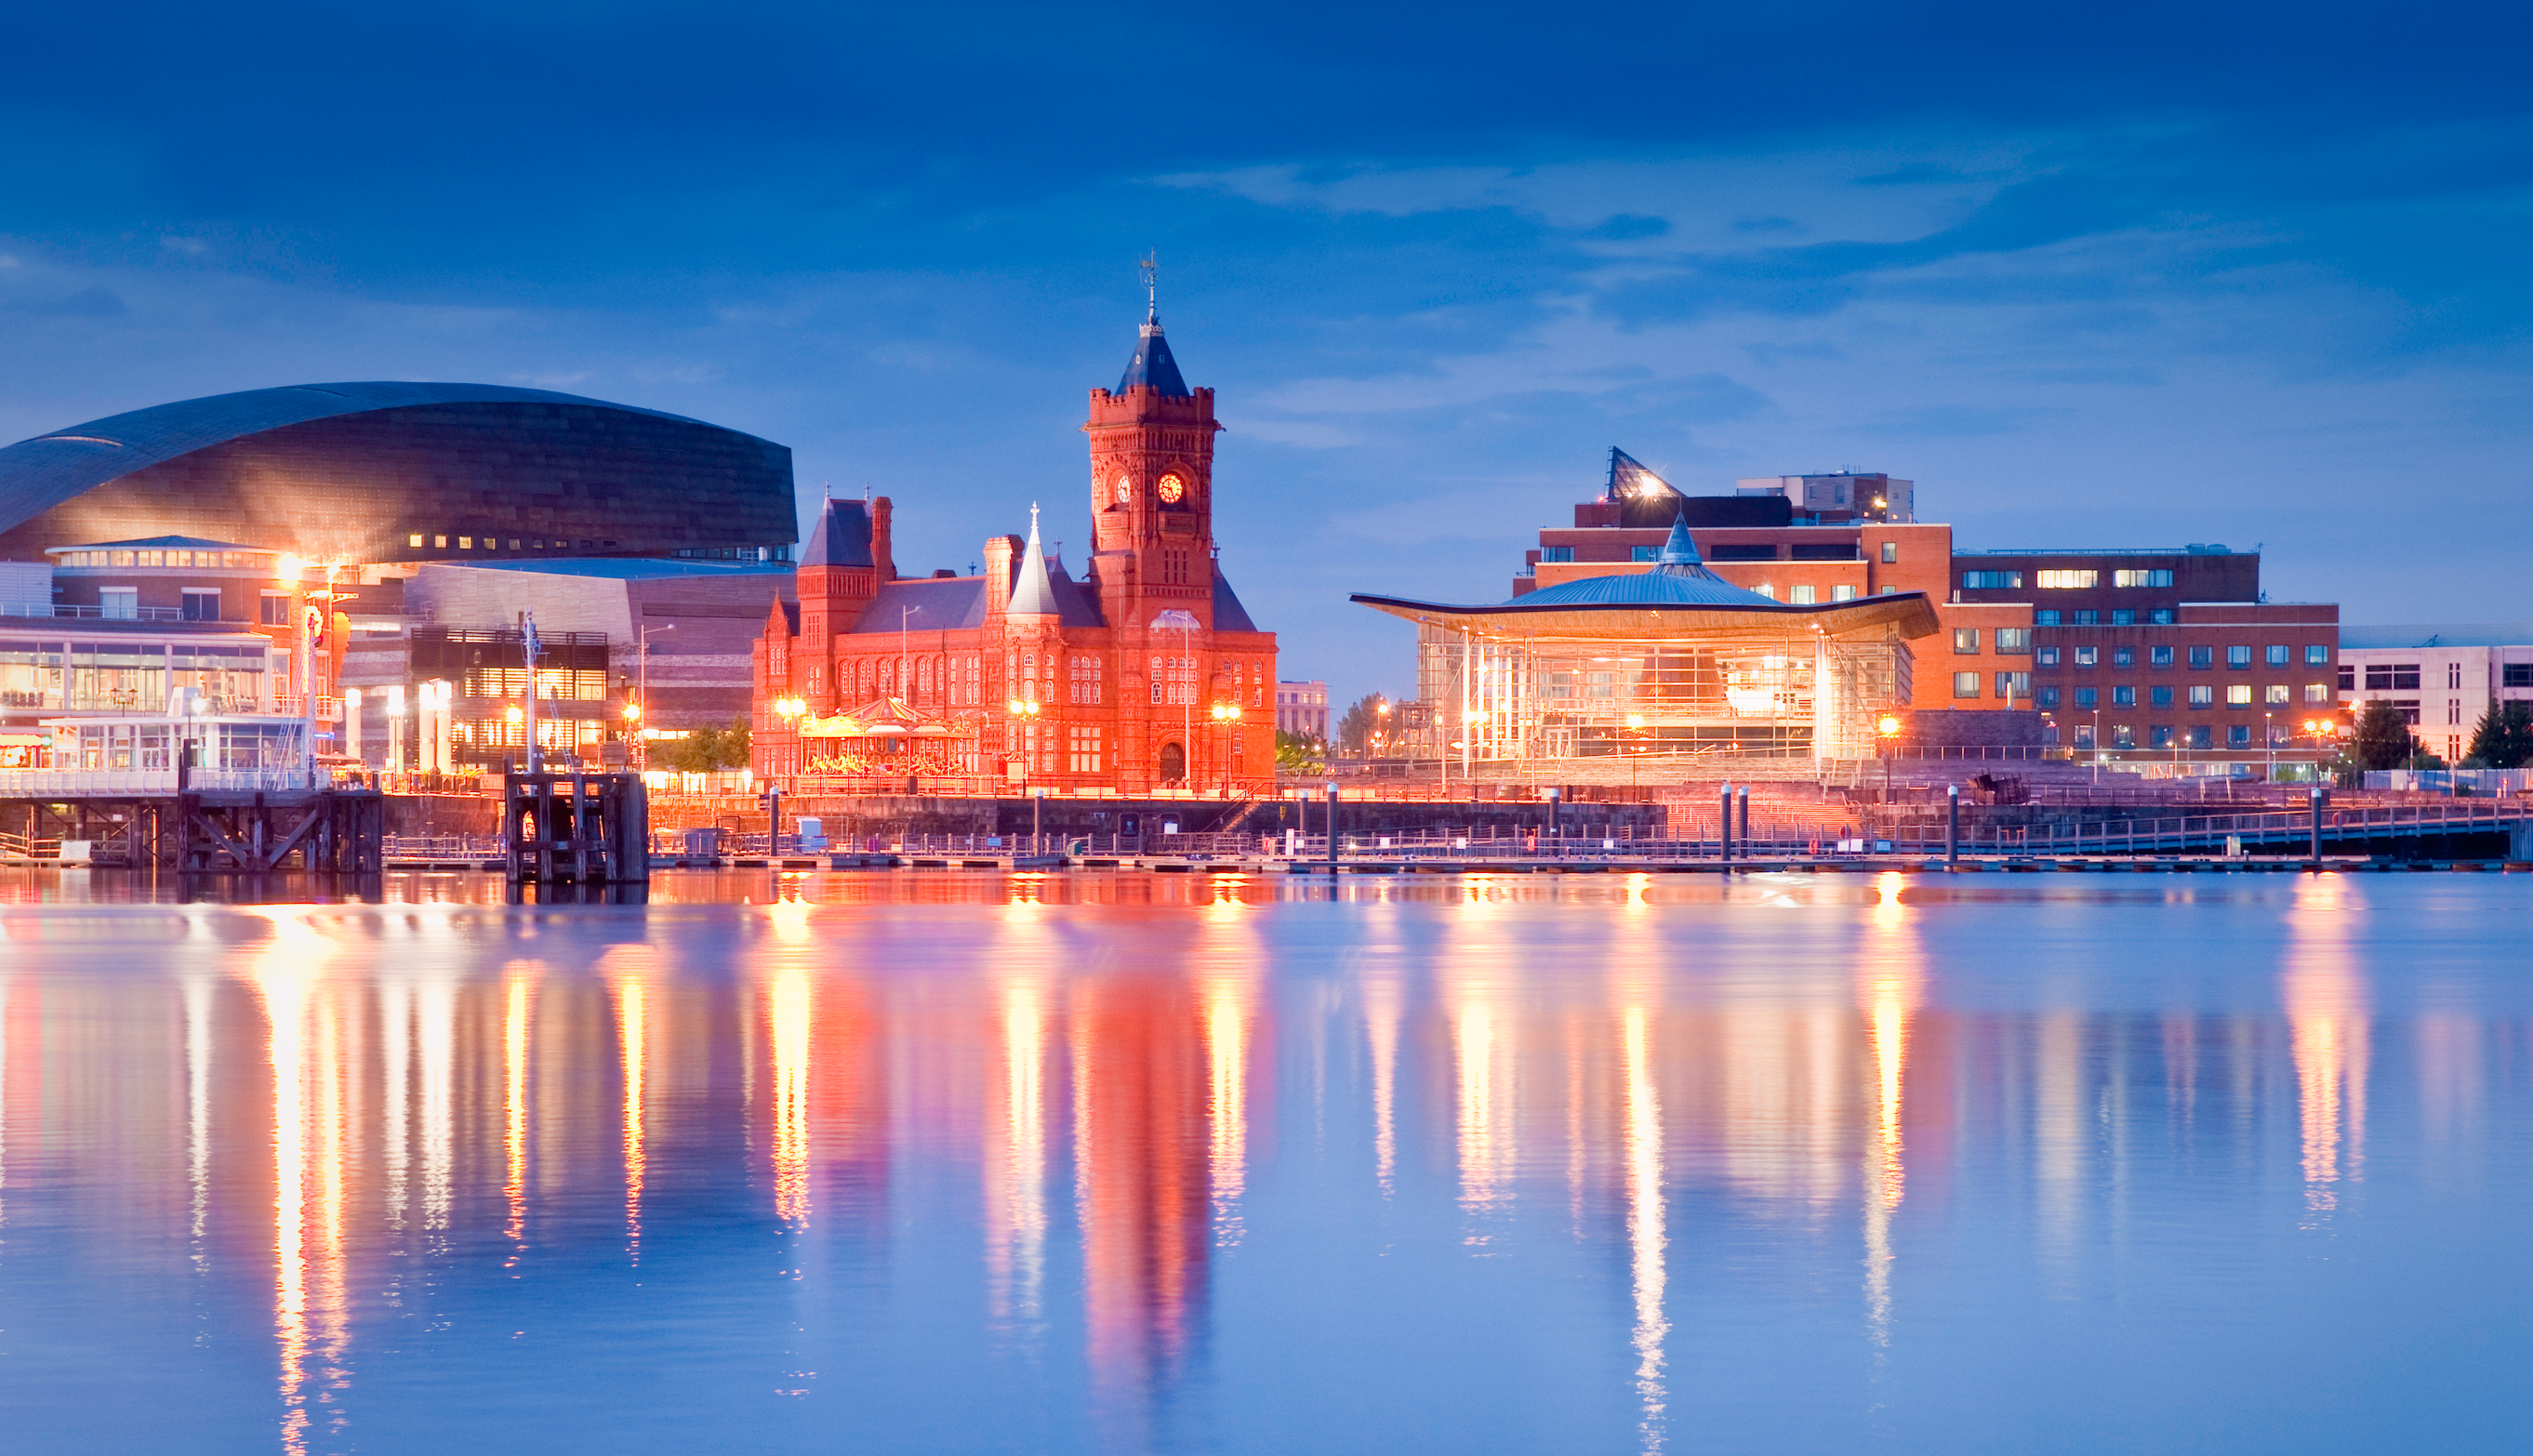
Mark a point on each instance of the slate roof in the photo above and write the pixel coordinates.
(841, 537)
(1228, 615)
(154, 543)
(1152, 364)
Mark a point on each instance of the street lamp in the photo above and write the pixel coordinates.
(1023, 710)
(642, 692)
(1885, 732)
(1226, 714)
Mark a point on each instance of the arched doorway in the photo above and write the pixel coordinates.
(1173, 764)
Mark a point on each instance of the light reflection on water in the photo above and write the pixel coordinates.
(1163, 1162)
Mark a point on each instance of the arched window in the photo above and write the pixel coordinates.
(1173, 762)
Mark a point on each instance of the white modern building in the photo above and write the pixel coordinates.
(2441, 676)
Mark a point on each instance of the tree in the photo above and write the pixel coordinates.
(705, 750)
(1300, 753)
(2382, 738)
(1364, 730)
(2504, 737)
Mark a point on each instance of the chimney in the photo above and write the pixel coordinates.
(1000, 552)
(881, 556)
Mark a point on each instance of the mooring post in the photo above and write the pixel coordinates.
(1552, 795)
(2315, 850)
(1333, 826)
(1745, 819)
(1723, 835)
(1952, 826)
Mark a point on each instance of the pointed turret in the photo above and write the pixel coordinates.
(1033, 590)
(1680, 550)
(1152, 364)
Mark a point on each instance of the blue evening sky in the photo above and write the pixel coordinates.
(2105, 275)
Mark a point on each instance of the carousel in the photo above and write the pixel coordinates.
(884, 740)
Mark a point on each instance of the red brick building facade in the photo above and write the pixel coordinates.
(1144, 677)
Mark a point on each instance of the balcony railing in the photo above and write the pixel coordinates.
(144, 782)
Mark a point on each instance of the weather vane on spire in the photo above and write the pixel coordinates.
(1032, 520)
(1151, 266)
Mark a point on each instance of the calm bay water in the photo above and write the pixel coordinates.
(1124, 1163)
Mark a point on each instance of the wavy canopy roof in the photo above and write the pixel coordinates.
(482, 460)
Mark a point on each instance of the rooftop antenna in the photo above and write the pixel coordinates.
(1151, 266)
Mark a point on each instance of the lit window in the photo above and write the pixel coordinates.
(2123, 736)
(2277, 694)
(2016, 686)
(1800, 594)
(466, 543)
(2087, 657)
(2068, 580)
(439, 543)
(414, 540)
(2317, 692)
(1766, 589)
(2203, 695)
(1890, 553)
(2238, 695)
(1841, 593)
(2142, 578)
(2012, 639)
(1964, 639)
(1966, 685)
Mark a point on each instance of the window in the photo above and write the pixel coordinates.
(1642, 552)
(1556, 554)
(2067, 580)
(121, 604)
(275, 610)
(2045, 698)
(2203, 695)
(2317, 692)
(2316, 654)
(201, 603)
(2084, 735)
(1966, 685)
(1890, 553)
(1964, 639)
(1083, 745)
(2046, 617)
(2123, 736)
(2515, 674)
(2238, 657)
(2277, 696)
(2046, 657)
(2239, 735)
(466, 543)
(2454, 675)
(2394, 676)
(2013, 687)
(414, 540)
(2200, 736)
(2279, 655)
(2238, 695)
(2160, 697)
(1841, 593)
(2010, 640)
(2348, 680)
(2158, 656)
(2123, 696)
(1991, 581)
(2123, 616)
(2086, 617)
(2087, 657)
(2159, 736)
(2142, 578)
(2089, 697)
(439, 543)
(2123, 656)
(1800, 594)
(2202, 657)
(1766, 589)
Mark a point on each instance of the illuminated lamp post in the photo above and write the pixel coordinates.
(1226, 714)
(791, 711)
(642, 692)
(1886, 734)
(1027, 710)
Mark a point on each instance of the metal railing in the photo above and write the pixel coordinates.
(68, 783)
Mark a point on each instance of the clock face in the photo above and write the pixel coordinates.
(1125, 488)
(1172, 487)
